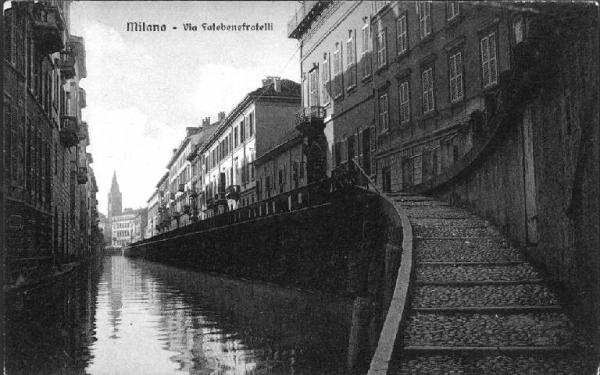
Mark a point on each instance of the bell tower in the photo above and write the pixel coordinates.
(115, 207)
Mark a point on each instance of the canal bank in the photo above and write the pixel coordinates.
(348, 244)
(136, 317)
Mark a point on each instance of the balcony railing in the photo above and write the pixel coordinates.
(83, 131)
(48, 28)
(67, 64)
(310, 120)
(233, 192)
(69, 131)
(304, 17)
(82, 175)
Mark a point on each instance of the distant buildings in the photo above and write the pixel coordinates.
(123, 226)
(214, 168)
(51, 207)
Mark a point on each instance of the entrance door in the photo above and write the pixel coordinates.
(529, 178)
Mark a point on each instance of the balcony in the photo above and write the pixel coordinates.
(83, 131)
(67, 64)
(310, 121)
(69, 131)
(82, 175)
(304, 17)
(48, 27)
(233, 192)
(82, 98)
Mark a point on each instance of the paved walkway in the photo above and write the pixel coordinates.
(478, 307)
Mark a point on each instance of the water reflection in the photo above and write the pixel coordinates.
(136, 317)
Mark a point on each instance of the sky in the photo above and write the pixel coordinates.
(144, 88)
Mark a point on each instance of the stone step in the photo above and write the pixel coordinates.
(422, 203)
(487, 250)
(507, 309)
(497, 361)
(431, 273)
(409, 197)
(422, 213)
(505, 263)
(453, 231)
(479, 282)
(462, 329)
(455, 223)
(482, 295)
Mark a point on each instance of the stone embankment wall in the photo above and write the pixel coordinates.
(339, 247)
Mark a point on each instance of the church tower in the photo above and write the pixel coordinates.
(115, 207)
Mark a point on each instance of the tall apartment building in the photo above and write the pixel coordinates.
(436, 66)
(401, 81)
(263, 116)
(50, 192)
(336, 64)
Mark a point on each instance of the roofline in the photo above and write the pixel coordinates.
(163, 178)
(240, 107)
(174, 157)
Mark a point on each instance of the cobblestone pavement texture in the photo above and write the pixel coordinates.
(446, 240)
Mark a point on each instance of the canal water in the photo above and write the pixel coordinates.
(130, 316)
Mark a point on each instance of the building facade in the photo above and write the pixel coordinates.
(253, 126)
(400, 82)
(438, 65)
(123, 230)
(336, 65)
(50, 190)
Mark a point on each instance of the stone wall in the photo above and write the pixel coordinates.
(338, 247)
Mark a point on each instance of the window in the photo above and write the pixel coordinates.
(452, 10)
(365, 50)
(337, 153)
(518, 30)
(489, 68)
(235, 136)
(417, 169)
(456, 77)
(351, 149)
(314, 86)
(383, 112)
(381, 49)
(251, 123)
(401, 30)
(325, 79)
(351, 60)
(10, 40)
(404, 95)
(424, 13)
(338, 85)
(427, 82)
(242, 131)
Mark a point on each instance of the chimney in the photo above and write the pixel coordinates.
(276, 84)
(276, 81)
(174, 151)
(221, 115)
(206, 121)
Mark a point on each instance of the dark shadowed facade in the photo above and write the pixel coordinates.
(52, 207)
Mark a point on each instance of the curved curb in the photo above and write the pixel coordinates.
(382, 357)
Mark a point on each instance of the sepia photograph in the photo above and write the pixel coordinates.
(300, 187)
